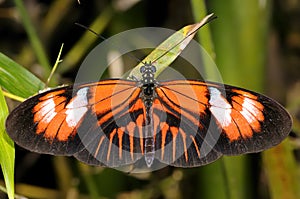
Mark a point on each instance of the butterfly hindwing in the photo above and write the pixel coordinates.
(184, 113)
(113, 133)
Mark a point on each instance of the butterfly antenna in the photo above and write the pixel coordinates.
(103, 38)
(206, 20)
(92, 31)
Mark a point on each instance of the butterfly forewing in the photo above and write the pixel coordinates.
(259, 122)
(39, 123)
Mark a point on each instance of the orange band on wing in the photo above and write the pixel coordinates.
(174, 131)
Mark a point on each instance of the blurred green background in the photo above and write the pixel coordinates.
(255, 44)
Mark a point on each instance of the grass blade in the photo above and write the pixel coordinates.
(281, 170)
(7, 150)
(16, 79)
(33, 37)
(205, 39)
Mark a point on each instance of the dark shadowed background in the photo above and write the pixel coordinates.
(256, 45)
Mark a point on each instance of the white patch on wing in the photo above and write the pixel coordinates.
(77, 108)
(80, 99)
(48, 111)
(219, 107)
(247, 108)
(74, 116)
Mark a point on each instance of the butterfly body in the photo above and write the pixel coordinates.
(147, 95)
(115, 122)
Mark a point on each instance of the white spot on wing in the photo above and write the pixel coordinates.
(80, 99)
(219, 107)
(74, 116)
(247, 108)
(48, 111)
(77, 108)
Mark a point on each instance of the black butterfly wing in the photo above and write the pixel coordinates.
(96, 122)
(38, 124)
(194, 122)
(113, 132)
(199, 121)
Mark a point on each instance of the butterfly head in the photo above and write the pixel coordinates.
(148, 70)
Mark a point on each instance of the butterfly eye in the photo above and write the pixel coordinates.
(142, 69)
(153, 69)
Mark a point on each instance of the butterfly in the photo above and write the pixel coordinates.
(117, 122)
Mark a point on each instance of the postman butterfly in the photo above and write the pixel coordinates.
(119, 122)
(116, 122)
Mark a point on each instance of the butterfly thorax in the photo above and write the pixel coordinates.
(148, 83)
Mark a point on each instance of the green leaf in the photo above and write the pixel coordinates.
(7, 150)
(16, 79)
(168, 51)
